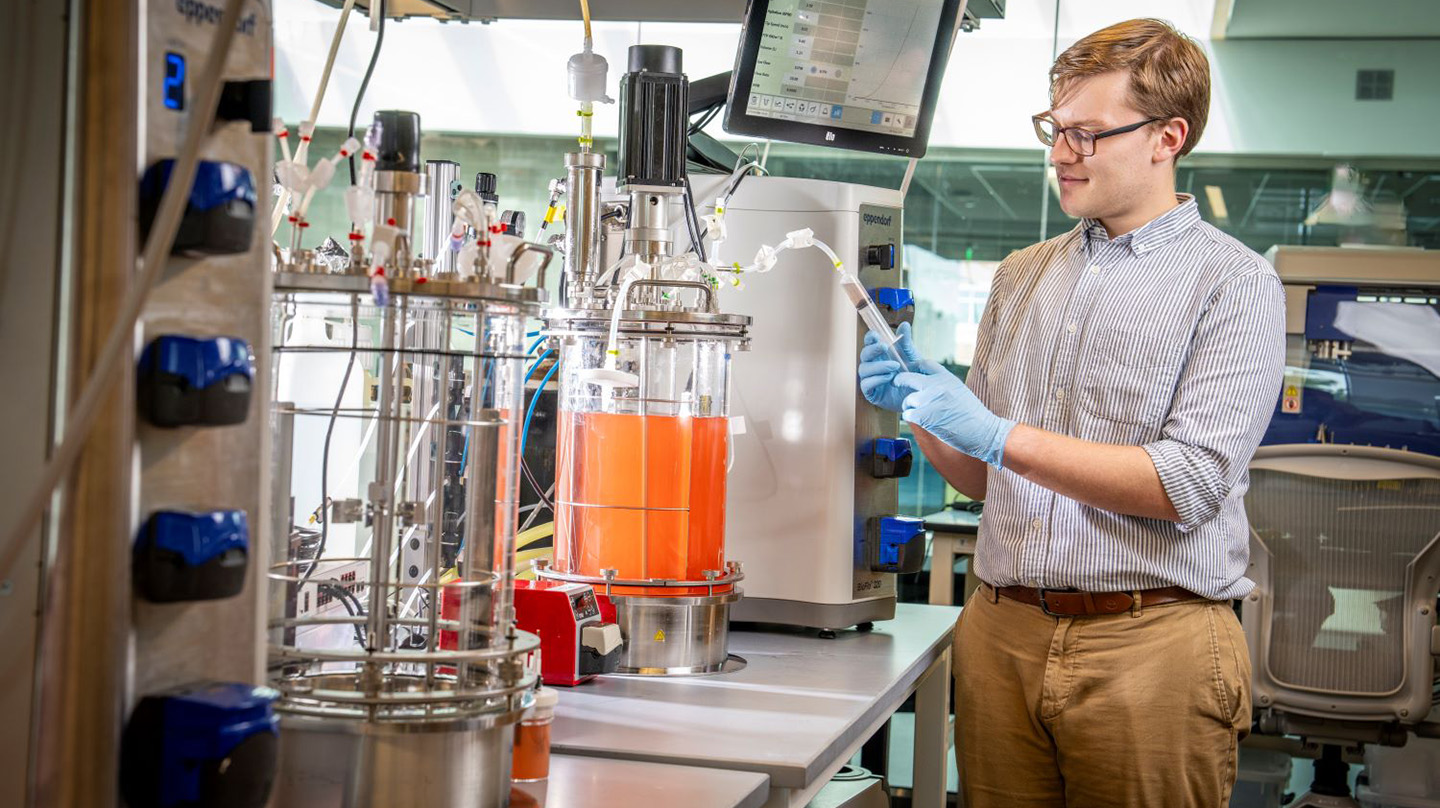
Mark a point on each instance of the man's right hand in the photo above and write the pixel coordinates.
(878, 369)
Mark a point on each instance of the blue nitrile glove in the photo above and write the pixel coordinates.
(943, 406)
(878, 369)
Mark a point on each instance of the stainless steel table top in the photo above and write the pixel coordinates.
(953, 520)
(590, 782)
(799, 702)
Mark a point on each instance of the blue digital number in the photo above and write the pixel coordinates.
(173, 90)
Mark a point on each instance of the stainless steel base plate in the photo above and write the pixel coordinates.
(674, 636)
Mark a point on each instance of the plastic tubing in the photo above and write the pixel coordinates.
(530, 411)
(283, 135)
(587, 117)
(314, 106)
(612, 347)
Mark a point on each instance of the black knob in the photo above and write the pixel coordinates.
(485, 186)
(881, 255)
(654, 59)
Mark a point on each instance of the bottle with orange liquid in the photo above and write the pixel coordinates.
(530, 760)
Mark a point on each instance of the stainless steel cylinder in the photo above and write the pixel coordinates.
(354, 764)
(669, 636)
(582, 224)
(441, 176)
(395, 193)
(649, 233)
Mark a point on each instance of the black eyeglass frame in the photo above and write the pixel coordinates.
(1064, 132)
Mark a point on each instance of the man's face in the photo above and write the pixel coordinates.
(1122, 172)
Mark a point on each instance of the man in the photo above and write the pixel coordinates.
(1123, 377)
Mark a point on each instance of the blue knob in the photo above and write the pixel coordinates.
(892, 449)
(192, 556)
(195, 381)
(205, 744)
(894, 298)
(896, 532)
(219, 216)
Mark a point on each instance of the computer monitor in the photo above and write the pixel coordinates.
(856, 74)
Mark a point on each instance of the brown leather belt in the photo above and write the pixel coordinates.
(1066, 603)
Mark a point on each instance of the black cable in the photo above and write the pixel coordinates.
(365, 82)
(330, 431)
(696, 157)
(735, 186)
(344, 595)
(705, 119)
(692, 222)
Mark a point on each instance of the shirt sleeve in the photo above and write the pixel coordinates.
(1225, 397)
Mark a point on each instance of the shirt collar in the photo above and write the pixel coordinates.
(1156, 233)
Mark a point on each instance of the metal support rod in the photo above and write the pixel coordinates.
(380, 495)
(506, 503)
(440, 438)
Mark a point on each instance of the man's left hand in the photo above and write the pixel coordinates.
(943, 406)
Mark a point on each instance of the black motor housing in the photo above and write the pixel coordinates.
(399, 146)
(654, 116)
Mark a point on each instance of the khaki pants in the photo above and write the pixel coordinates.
(1112, 710)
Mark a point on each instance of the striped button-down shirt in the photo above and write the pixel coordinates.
(1171, 338)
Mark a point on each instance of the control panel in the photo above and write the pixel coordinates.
(201, 546)
(583, 605)
(876, 494)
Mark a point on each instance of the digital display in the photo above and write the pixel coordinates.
(172, 90)
(857, 64)
(852, 74)
(583, 605)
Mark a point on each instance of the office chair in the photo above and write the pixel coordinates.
(1341, 627)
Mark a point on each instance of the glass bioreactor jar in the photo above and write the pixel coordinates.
(396, 485)
(641, 458)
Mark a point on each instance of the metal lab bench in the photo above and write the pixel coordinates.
(797, 712)
(588, 782)
(952, 533)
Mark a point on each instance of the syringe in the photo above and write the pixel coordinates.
(872, 317)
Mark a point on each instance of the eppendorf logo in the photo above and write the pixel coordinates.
(198, 13)
(870, 218)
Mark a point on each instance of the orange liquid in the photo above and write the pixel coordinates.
(643, 495)
(530, 759)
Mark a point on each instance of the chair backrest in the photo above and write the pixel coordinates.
(1345, 553)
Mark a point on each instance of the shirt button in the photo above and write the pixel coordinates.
(1094, 270)
(1060, 394)
(1070, 327)
(1036, 523)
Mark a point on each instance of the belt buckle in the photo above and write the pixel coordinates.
(1045, 606)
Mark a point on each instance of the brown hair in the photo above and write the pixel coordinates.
(1169, 74)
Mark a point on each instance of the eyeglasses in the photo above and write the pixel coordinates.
(1082, 141)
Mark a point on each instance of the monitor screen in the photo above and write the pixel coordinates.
(857, 74)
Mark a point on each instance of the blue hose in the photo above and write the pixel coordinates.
(530, 413)
(531, 371)
(465, 451)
